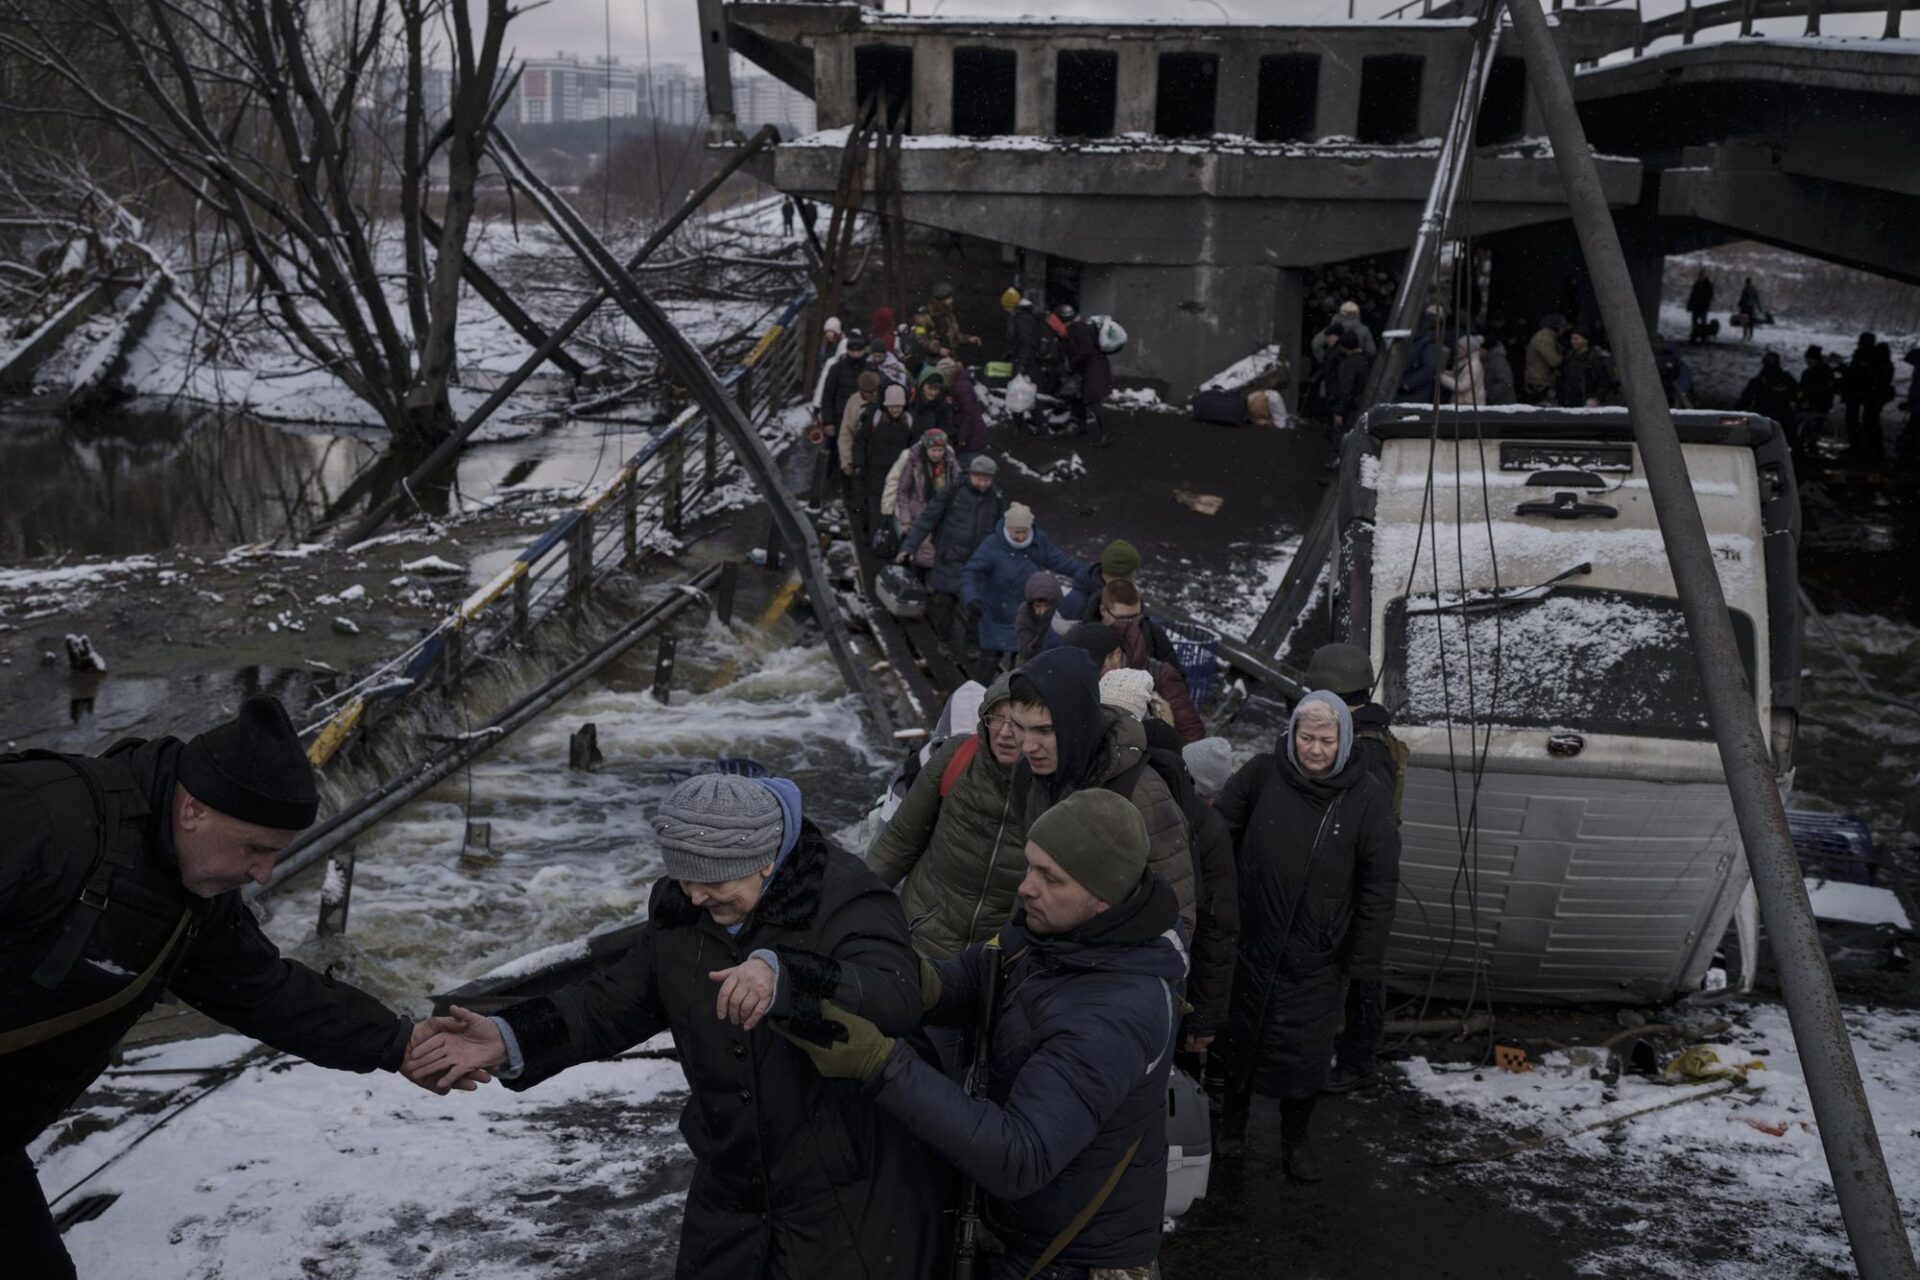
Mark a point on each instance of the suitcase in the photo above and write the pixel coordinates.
(900, 593)
(1227, 407)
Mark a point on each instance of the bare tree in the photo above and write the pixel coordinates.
(253, 110)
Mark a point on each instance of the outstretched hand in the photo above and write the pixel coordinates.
(459, 1050)
(747, 991)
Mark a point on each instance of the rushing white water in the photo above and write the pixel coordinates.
(575, 851)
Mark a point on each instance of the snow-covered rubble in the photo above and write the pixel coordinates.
(1745, 1164)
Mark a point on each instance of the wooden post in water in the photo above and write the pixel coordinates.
(663, 671)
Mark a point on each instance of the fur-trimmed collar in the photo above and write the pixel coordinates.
(791, 900)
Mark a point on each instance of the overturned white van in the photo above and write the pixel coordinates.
(1566, 829)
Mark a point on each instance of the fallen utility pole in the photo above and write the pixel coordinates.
(321, 841)
(447, 450)
(1859, 1168)
(496, 296)
(723, 410)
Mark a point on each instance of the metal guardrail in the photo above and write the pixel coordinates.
(659, 489)
(1691, 20)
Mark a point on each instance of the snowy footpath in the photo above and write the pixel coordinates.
(288, 1170)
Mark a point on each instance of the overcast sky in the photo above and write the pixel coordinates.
(581, 26)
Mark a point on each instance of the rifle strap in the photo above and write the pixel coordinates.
(1081, 1219)
(27, 1036)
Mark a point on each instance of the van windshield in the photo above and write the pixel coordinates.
(1575, 658)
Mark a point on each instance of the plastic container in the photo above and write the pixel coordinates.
(1197, 650)
(1189, 1143)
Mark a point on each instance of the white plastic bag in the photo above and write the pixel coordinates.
(1021, 394)
(1109, 334)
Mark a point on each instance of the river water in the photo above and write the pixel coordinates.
(575, 850)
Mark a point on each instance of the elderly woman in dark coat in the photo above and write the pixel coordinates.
(1319, 868)
(759, 916)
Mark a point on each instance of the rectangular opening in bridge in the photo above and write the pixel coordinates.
(885, 71)
(1288, 98)
(1503, 110)
(983, 91)
(1390, 98)
(1183, 107)
(1086, 84)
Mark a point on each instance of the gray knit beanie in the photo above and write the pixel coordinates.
(1210, 761)
(718, 826)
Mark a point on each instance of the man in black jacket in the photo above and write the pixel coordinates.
(1345, 670)
(758, 916)
(1071, 1119)
(119, 879)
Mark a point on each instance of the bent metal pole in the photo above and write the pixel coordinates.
(1867, 1201)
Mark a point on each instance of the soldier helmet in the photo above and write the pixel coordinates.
(1340, 668)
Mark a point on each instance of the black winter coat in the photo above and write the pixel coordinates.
(958, 520)
(1216, 901)
(796, 1177)
(222, 965)
(1023, 341)
(1089, 362)
(1319, 869)
(1771, 394)
(1083, 1037)
(876, 449)
(843, 379)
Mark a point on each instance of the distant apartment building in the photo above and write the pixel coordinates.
(565, 90)
(759, 100)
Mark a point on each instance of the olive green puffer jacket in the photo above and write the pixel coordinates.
(961, 857)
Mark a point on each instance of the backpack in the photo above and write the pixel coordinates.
(1172, 768)
(1108, 333)
(1398, 750)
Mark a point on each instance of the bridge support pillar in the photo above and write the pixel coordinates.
(1185, 323)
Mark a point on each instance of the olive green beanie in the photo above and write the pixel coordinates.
(1099, 839)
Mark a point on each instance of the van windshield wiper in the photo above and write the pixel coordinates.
(1501, 599)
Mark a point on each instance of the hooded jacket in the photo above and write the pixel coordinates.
(956, 860)
(221, 962)
(970, 434)
(1544, 358)
(1466, 382)
(795, 1176)
(1319, 871)
(1083, 1036)
(1029, 627)
(1099, 747)
(996, 576)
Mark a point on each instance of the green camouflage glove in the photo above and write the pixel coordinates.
(929, 986)
(858, 1054)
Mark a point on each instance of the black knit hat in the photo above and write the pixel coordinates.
(1097, 638)
(253, 768)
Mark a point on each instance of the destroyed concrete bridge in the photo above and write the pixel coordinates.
(1187, 175)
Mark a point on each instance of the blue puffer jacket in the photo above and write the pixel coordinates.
(996, 578)
(1082, 1040)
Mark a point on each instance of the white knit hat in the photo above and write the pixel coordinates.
(1127, 690)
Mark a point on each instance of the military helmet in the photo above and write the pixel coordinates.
(943, 290)
(1341, 669)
